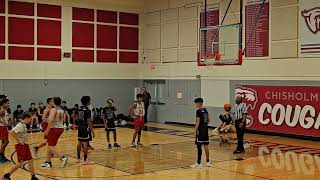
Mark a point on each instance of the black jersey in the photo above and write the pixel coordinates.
(109, 113)
(84, 114)
(226, 118)
(110, 117)
(202, 131)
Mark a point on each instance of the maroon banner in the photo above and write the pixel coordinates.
(259, 43)
(283, 109)
(208, 37)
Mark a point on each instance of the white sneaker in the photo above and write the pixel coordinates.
(246, 145)
(207, 164)
(46, 165)
(64, 161)
(133, 144)
(196, 166)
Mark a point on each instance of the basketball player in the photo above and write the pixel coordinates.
(44, 125)
(90, 148)
(110, 126)
(4, 118)
(65, 108)
(53, 132)
(138, 116)
(227, 123)
(19, 133)
(201, 132)
(85, 130)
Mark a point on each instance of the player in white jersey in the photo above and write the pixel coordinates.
(138, 111)
(54, 131)
(45, 117)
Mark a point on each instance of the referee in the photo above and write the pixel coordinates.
(240, 114)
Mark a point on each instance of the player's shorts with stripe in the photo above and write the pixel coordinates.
(84, 134)
(111, 126)
(202, 136)
(138, 123)
(4, 132)
(54, 135)
(23, 152)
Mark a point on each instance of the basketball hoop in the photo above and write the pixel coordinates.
(219, 45)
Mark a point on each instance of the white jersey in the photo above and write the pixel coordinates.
(58, 119)
(139, 110)
(4, 120)
(21, 130)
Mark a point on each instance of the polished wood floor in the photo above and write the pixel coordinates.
(168, 152)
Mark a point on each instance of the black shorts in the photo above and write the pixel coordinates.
(84, 134)
(202, 136)
(111, 126)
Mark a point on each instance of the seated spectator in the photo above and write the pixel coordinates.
(17, 114)
(34, 116)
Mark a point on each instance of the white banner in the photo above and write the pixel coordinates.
(309, 23)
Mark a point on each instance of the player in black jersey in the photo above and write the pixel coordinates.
(201, 132)
(84, 129)
(109, 118)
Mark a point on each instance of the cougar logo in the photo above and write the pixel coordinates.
(250, 98)
(312, 19)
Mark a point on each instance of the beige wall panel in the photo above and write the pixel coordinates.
(284, 23)
(151, 18)
(169, 35)
(151, 38)
(176, 3)
(170, 15)
(188, 33)
(276, 3)
(186, 13)
(284, 49)
(169, 55)
(152, 56)
(155, 5)
(188, 55)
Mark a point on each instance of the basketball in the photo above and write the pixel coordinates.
(227, 107)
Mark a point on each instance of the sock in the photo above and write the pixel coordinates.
(78, 155)
(1, 155)
(208, 160)
(85, 157)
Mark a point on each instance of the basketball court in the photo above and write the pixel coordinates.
(169, 151)
(265, 51)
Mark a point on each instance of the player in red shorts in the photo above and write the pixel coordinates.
(44, 125)
(19, 133)
(53, 132)
(138, 116)
(4, 118)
